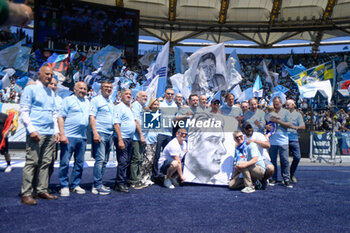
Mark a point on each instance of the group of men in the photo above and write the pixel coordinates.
(49, 120)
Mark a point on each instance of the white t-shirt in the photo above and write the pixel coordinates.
(172, 149)
(260, 137)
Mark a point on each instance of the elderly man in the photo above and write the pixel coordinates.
(255, 116)
(203, 106)
(39, 116)
(248, 164)
(170, 162)
(124, 127)
(138, 144)
(101, 121)
(73, 121)
(294, 148)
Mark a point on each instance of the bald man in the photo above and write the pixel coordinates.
(39, 117)
(73, 121)
(294, 148)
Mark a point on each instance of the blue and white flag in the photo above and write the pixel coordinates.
(279, 94)
(22, 59)
(22, 82)
(152, 88)
(281, 88)
(9, 54)
(106, 57)
(5, 81)
(257, 87)
(236, 91)
(295, 70)
(208, 69)
(181, 64)
(268, 76)
(309, 90)
(160, 68)
(246, 95)
(290, 61)
(233, 70)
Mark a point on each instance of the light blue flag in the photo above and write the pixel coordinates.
(22, 82)
(106, 57)
(96, 87)
(217, 96)
(22, 59)
(181, 64)
(290, 61)
(295, 70)
(281, 88)
(237, 64)
(279, 94)
(257, 84)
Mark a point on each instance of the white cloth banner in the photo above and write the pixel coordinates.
(152, 88)
(309, 90)
(208, 69)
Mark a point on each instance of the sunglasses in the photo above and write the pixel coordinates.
(170, 93)
(216, 103)
(239, 137)
(183, 134)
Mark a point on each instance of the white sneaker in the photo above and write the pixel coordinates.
(149, 182)
(174, 181)
(94, 190)
(64, 192)
(79, 190)
(248, 190)
(168, 184)
(8, 169)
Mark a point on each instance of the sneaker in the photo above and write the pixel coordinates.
(257, 185)
(8, 169)
(293, 179)
(64, 192)
(138, 185)
(287, 184)
(249, 189)
(174, 181)
(273, 182)
(168, 184)
(102, 190)
(79, 190)
(149, 183)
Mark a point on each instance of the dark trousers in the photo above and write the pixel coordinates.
(162, 141)
(124, 158)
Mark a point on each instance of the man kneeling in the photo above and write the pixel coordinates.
(170, 160)
(249, 164)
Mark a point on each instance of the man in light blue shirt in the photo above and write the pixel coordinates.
(229, 109)
(279, 141)
(73, 121)
(124, 127)
(168, 110)
(101, 121)
(39, 117)
(248, 164)
(138, 144)
(297, 123)
(255, 116)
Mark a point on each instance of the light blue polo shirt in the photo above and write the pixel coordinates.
(76, 114)
(168, 111)
(41, 101)
(137, 110)
(151, 137)
(124, 116)
(59, 101)
(253, 151)
(280, 137)
(251, 117)
(296, 120)
(102, 109)
(233, 111)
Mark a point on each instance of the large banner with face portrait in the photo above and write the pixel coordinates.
(209, 159)
(208, 69)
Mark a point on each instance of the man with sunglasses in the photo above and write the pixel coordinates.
(168, 109)
(248, 164)
(170, 163)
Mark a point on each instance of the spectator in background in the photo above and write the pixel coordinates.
(255, 116)
(229, 109)
(244, 107)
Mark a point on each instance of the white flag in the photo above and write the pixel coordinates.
(9, 54)
(309, 90)
(208, 69)
(233, 76)
(6, 82)
(152, 88)
(268, 76)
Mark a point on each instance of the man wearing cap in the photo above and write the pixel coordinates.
(263, 145)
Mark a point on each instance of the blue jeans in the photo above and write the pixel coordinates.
(283, 151)
(162, 141)
(124, 158)
(294, 149)
(100, 152)
(76, 146)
